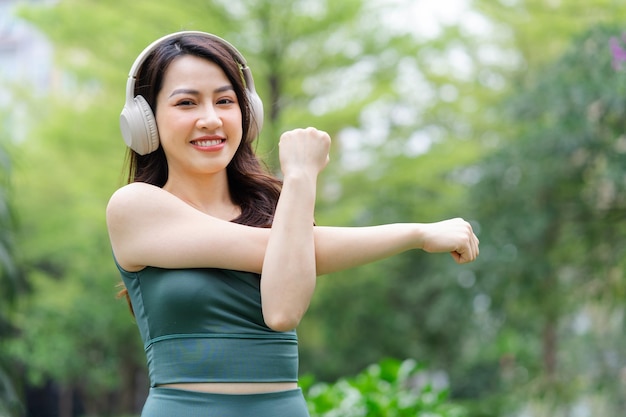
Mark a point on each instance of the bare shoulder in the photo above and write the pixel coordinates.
(133, 200)
(137, 205)
(135, 192)
(135, 214)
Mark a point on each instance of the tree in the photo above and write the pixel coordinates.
(549, 199)
(539, 31)
(10, 282)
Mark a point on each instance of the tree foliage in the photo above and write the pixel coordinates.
(549, 201)
(390, 388)
(10, 282)
(411, 117)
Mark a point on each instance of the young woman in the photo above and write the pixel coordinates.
(219, 258)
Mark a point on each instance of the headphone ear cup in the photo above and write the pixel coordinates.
(256, 115)
(150, 126)
(139, 127)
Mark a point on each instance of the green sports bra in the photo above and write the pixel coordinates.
(206, 325)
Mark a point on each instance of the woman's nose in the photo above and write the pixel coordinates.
(209, 119)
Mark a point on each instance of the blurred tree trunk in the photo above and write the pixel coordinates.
(66, 401)
(132, 389)
(549, 347)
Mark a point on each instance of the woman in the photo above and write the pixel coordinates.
(219, 258)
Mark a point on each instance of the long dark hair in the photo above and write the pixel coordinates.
(251, 186)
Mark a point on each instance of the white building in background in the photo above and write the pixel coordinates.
(25, 53)
(26, 67)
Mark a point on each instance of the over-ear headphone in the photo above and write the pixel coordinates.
(137, 120)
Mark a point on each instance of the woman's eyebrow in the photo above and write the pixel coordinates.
(227, 87)
(193, 92)
(188, 91)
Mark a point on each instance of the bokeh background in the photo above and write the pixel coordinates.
(509, 113)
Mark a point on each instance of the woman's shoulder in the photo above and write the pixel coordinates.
(132, 199)
(134, 190)
(137, 193)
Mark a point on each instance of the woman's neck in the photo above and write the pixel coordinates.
(208, 194)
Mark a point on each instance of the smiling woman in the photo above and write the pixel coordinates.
(220, 259)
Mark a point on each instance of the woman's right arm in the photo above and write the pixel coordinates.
(149, 226)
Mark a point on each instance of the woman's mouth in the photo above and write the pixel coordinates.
(206, 143)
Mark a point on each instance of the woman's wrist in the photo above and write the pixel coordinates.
(417, 235)
(300, 177)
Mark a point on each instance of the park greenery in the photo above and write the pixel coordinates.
(390, 388)
(513, 117)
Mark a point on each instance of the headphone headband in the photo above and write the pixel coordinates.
(137, 121)
(150, 48)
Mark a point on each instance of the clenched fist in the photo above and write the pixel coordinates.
(304, 149)
(455, 236)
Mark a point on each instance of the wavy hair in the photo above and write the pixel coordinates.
(251, 186)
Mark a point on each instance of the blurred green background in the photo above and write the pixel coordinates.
(509, 113)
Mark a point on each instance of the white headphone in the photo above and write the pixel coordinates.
(137, 121)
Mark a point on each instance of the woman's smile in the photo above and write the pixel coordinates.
(209, 143)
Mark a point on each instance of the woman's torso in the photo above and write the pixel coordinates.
(203, 330)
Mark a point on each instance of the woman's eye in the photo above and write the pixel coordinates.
(184, 103)
(225, 100)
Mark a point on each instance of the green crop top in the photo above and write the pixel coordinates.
(206, 325)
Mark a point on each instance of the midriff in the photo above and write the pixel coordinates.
(235, 387)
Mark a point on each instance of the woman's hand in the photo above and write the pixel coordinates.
(455, 236)
(304, 150)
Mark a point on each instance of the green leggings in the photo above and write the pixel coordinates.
(170, 402)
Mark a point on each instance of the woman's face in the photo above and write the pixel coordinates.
(198, 117)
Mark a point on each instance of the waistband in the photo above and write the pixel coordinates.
(228, 359)
(173, 402)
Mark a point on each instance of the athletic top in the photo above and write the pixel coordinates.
(206, 325)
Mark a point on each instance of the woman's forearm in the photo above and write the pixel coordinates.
(289, 272)
(339, 248)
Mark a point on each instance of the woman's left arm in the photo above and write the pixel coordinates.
(289, 266)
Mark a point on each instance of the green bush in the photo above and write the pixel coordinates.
(390, 388)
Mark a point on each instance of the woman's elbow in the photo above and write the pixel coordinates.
(282, 322)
